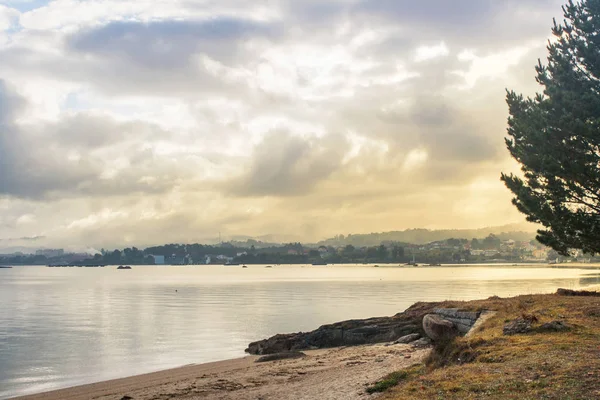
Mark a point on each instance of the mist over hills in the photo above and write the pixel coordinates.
(517, 232)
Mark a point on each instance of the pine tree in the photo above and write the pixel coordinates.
(555, 136)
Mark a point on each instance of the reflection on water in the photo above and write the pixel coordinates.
(65, 326)
(590, 280)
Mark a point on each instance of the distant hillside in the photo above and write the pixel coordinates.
(517, 232)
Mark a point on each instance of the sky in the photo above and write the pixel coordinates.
(150, 121)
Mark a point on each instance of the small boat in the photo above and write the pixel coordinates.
(244, 266)
(269, 266)
(375, 266)
(317, 263)
(123, 267)
(5, 267)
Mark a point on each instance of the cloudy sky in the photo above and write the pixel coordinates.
(151, 121)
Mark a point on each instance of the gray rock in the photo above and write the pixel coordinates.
(569, 292)
(438, 328)
(281, 356)
(519, 325)
(554, 326)
(276, 344)
(423, 342)
(368, 331)
(463, 320)
(347, 333)
(456, 313)
(408, 338)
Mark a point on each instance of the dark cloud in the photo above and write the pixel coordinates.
(448, 134)
(24, 239)
(170, 44)
(287, 165)
(159, 58)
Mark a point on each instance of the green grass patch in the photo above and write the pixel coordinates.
(393, 379)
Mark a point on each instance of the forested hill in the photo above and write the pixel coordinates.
(424, 236)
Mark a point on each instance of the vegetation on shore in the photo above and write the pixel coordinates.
(450, 251)
(540, 364)
(554, 136)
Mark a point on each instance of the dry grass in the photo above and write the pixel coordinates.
(536, 365)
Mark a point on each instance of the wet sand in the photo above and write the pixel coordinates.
(339, 373)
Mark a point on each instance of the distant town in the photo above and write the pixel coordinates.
(491, 249)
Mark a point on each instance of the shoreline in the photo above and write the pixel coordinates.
(341, 372)
(487, 359)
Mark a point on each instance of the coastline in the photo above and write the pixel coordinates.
(533, 358)
(335, 373)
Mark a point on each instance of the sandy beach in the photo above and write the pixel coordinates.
(339, 373)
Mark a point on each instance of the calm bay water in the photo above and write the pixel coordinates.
(61, 327)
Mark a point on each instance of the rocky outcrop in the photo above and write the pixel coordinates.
(408, 338)
(439, 329)
(569, 292)
(554, 326)
(402, 327)
(519, 325)
(348, 333)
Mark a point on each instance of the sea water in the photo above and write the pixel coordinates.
(61, 327)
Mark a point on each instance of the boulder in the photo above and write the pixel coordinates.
(554, 326)
(408, 338)
(519, 325)
(463, 320)
(438, 328)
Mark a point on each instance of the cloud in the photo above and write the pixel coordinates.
(468, 22)
(425, 53)
(439, 13)
(8, 17)
(144, 122)
(284, 164)
(447, 133)
(170, 44)
(80, 155)
(27, 169)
